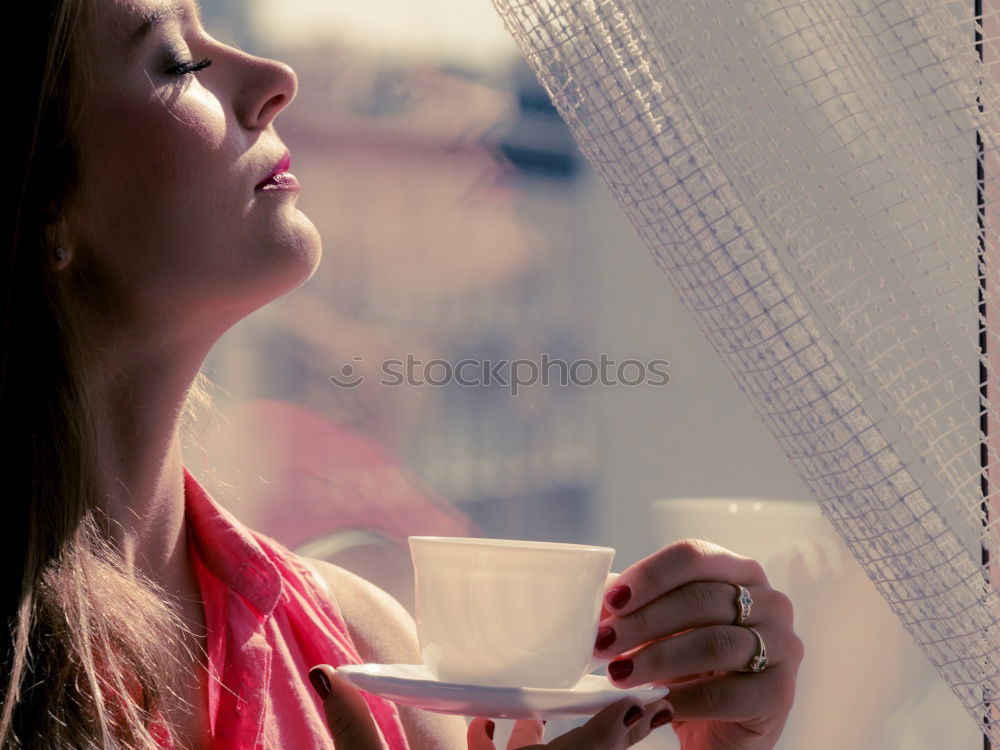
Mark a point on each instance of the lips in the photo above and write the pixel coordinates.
(280, 178)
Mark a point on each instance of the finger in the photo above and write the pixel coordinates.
(526, 732)
(607, 730)
(657, 714)
(717, 648)
(735, 697)
(480, 734)
(347, 714)
(611, 580)
(689, 606)
(673, 566)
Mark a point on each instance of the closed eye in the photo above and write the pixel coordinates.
(186, 68)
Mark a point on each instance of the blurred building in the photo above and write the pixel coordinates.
(445, 203)
(459, 221)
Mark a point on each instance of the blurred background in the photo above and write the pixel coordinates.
(460, 222)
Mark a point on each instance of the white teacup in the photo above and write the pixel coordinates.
(508, 613)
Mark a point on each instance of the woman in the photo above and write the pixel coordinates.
(151, 209)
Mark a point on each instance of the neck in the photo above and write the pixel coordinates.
(137, 393)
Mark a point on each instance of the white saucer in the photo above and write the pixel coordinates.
(413, 685)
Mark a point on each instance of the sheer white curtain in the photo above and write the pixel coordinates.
(805, 175)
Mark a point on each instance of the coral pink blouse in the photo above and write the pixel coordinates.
(270, 617)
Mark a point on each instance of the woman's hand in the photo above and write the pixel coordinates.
(351, 723)
(670, 619)
(618, 726)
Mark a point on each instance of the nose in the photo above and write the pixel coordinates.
(266, 88)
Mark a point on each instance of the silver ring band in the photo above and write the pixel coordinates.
(758, 662)
(744, 602)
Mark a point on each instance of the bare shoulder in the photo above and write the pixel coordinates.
(384, 632)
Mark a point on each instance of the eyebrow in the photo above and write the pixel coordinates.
(160, 14)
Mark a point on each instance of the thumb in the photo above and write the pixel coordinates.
(351, 723)
(480, 734)
(606, 730)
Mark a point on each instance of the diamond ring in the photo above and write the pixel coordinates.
(758, 662)
(743, 604)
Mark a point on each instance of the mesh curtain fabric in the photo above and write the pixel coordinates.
(805, 175)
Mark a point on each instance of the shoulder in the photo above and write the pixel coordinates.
(381, 628)
(385, 633)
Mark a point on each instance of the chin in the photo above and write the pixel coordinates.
(298, 260)
(279, 266)
(307, 253)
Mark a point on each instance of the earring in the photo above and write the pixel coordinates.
(62, 258)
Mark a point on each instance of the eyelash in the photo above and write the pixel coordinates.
(184, 68)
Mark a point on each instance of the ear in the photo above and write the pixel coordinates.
(53, 226)
(55, 235)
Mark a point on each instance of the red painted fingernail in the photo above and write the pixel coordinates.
(491, 727)
(660, 718)
(619, 670)
(605, 637)
(320, 682)
(633, 715)
(618, 596)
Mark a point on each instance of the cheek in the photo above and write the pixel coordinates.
(159, 178)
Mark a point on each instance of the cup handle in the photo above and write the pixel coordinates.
(598, 662)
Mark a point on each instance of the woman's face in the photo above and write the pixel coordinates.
(168, 211)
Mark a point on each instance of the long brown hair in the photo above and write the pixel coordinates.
(90, 648)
